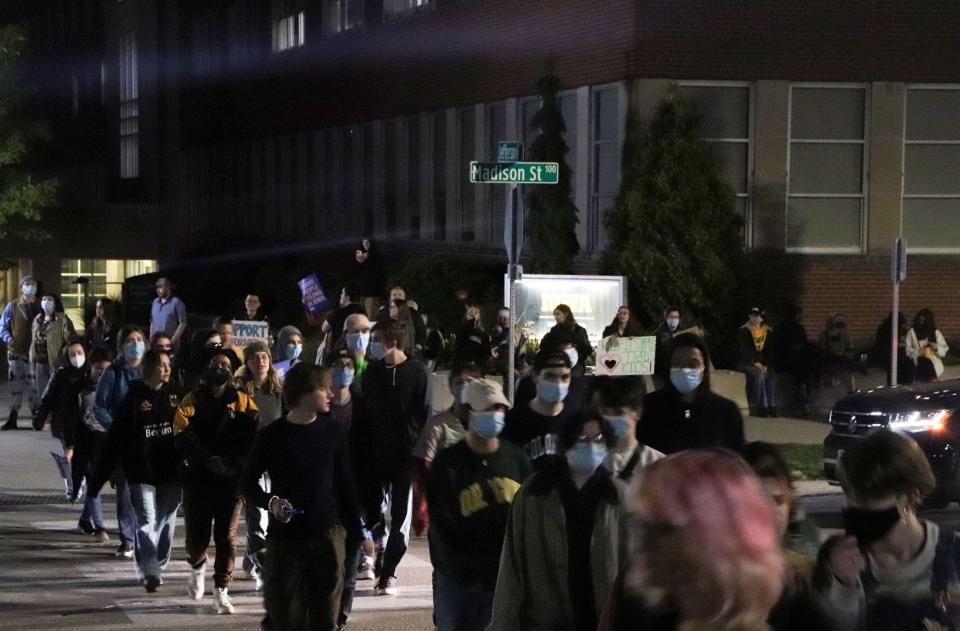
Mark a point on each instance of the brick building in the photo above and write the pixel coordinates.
(313, 122)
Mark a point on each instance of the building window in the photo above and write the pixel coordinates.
(413, 175)
(497, 196)
(129, 108)
(568, 109)
(106, 280)
(390, 178)
(931, 169)
(826, 169)
(288, 25)
(348, 172)
(343, 15)
(725, 124)
(393, 9)
(605, 161)
(466, 126)
(438, 171)
(370, 178)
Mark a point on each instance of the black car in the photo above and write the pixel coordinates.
(928, 412)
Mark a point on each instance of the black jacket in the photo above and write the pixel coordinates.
(473, 344)
(669, 424)
(141, 438)
(59, 401)
(630, 330)
(396, 405)
(747, 352)
(560, 335)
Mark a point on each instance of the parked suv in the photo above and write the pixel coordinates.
(928, 412)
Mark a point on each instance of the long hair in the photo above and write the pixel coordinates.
(927, 330)
(717, 556)
(568, 321)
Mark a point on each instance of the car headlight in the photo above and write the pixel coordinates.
(917, 421)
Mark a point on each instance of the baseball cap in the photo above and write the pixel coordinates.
(481, 394)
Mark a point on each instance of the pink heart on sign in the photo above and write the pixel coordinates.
(609, 362)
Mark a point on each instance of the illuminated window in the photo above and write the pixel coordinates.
(106, 278)
(288, 32)
(343, 15)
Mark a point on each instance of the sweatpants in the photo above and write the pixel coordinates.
(206, 509)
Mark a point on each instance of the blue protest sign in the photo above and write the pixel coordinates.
(313, 297)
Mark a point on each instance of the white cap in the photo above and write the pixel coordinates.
(481, 394)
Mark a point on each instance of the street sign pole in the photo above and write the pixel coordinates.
(898, 273)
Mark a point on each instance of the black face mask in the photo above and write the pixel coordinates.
(870, 526)
(217, 376)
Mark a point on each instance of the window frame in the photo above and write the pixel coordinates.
(864, 194)
(750, 141)
(596, 241)
(903, 164)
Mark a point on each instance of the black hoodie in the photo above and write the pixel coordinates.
(395, 405)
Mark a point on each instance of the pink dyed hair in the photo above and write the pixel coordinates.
(728, 567)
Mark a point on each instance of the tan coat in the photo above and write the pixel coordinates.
(532, 588)
(59, 333)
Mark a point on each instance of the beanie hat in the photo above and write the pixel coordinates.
(255, 347)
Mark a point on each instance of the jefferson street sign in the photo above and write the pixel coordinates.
(514, 172)
(508, 151)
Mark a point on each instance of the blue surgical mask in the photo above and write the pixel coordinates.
(619, 424)
(293, 351)
(358, 342)
(487, 425)
(586, 457)
(686, 379)
(134, 350)
(47, 305)
(342, 377)
(377, 351)
(673, 323)
(29, 290)
(552, 392)
(573, 355)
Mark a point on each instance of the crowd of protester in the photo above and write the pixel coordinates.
(586, 503)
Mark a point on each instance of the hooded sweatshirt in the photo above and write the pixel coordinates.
(396, 405)
(283, 338)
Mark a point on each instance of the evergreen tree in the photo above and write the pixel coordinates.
(552, 218)
(21, 198)
(673, 231)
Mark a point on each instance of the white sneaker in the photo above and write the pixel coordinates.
(221, 601)
(259, 581)
(197, 579)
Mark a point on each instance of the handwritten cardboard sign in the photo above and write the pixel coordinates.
(617, 356)
(247, 331)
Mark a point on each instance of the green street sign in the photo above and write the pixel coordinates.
(514, 172)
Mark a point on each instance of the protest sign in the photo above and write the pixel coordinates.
(618, 356)
(313, 297)
(247, 331)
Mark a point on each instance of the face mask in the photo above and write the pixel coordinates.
(585, 458)
(619, 424)
(552, 392)
(47, 305)
(376, 350)
(573, 355)
(294, 350)
(77, 361)
(487, 425)
(673, 323)
(358, 342)
(458, 392)
(217, 376)
(870, 526)
(29, 290)
(686, 379)
(134, 349)
(342, 378)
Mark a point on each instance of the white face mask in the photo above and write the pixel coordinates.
(77, 361)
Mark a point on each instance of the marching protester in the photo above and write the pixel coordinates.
(470, 488)
(259, 380)
(568, 336)
(101, 330)
(168, 313)
(289, 345)
(312, 505)
(141, 440)
(567, 537)
(686, 414)
(620, 401)
(111, 390)
(81, 422)
(356, 338)
(252, 311)
(623, 324)
(669, 328)
(51, 331)
(17, 334)
(214, 429)
(395, 391)
(223, 325)
(755, 357)
(473, 343)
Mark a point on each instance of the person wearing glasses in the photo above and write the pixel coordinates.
(567, 537)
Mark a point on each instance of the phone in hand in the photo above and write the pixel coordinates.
(290, 511)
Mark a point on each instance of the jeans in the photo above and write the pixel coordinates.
(92, 513)
(41, 377)
(21, 379)
(256, 520)
(761, 388)
(304, 579)
(206, 505)
(398, 494)
(459, 609)
(126, 516)
(156, 509)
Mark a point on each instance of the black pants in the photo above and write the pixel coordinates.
(352, 561)
(396, 482)
(209, 508)
(304, 581)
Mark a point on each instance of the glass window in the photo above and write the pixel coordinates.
(106, 278)
(129, 108)
(931, 169)
(413, 175)
(605, 162)
(438, 169)
(343, 15)
(826, 187)
(288, 32)
(568, 109)
(467, 129)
